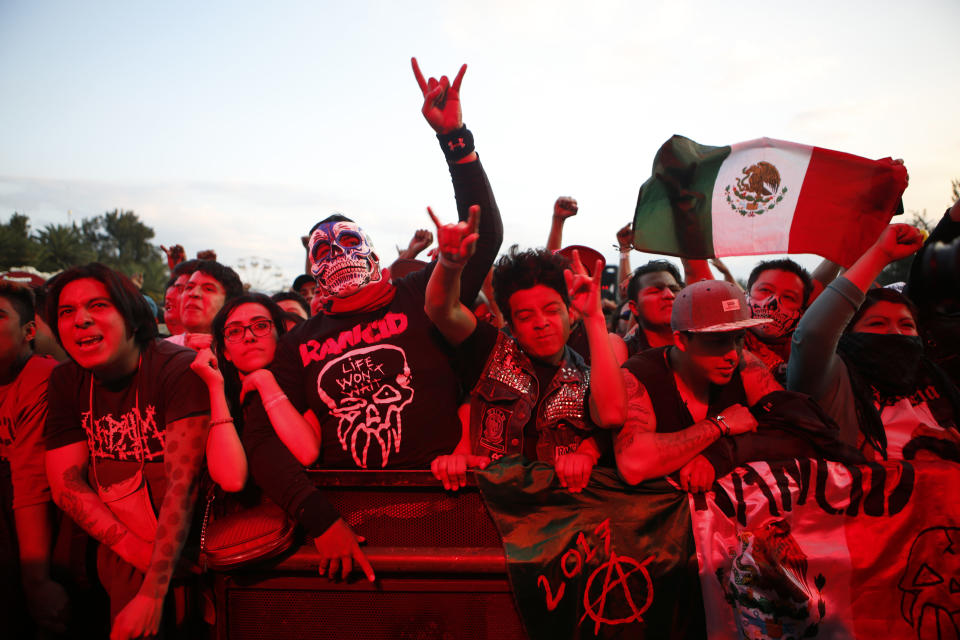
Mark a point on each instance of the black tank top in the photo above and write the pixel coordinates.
(652, 369)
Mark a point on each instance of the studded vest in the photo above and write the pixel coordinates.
(507, 393)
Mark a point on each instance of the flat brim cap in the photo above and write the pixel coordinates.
(711, 306)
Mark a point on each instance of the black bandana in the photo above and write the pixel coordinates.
(888, 363)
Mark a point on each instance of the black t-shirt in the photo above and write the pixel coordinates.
(385, 368)
(128, 417)
(380, 383)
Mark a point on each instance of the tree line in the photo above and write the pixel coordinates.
(119, 239)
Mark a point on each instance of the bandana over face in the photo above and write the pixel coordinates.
(784, 320)
(342, 260)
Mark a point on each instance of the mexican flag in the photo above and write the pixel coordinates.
(816, 549)
(764, 196)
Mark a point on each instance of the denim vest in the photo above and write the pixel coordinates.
(507, 393)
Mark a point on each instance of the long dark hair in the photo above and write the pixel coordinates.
(124, 295)
(231, 376)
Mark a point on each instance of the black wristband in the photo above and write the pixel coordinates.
(457, 144)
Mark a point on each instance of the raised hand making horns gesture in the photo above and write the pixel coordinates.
(441, 100)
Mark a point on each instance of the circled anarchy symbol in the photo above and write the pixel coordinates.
(595, 609)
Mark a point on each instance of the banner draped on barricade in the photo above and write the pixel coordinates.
(611, 562)
(818, 549)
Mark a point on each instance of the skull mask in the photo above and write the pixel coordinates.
(784, 319)
(931, 584)
(342, 260)
(367, 389)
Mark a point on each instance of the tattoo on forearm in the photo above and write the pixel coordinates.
(181, 463)
(73, 505)
(691, 440)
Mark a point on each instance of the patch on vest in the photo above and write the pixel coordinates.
(493, 425)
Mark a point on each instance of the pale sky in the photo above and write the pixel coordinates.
(237, 125)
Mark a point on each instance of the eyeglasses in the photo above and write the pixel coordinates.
(236, 332)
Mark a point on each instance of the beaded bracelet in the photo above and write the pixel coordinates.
(269, 402)
(214, 423)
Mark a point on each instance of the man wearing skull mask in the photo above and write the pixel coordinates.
(370, 366)
(777, 290)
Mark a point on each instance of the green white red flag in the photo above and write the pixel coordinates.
(764, 196)
(814, 549)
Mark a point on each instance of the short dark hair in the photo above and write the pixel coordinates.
(187, 267)
(231, 377)
(124, 295)
(633, 288)
(21, 298)
(783, 264)
(518, 270)
(292, 295)
(882, 294)
(333, 217)
(223, 274)
(301, 280)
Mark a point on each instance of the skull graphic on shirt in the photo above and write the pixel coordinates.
(342, 259)
(366, 390)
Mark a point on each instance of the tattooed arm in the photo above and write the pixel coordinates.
(67, 474)
(757, 379)
(642, 453)
(183, 454)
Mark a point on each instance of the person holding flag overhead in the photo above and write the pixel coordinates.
(764, 196)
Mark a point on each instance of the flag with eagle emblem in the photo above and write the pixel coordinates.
(764, 196)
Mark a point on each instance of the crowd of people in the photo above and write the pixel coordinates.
(449, 364)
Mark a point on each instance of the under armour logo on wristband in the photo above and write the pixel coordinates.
(459, 144)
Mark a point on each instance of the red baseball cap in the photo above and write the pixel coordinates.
(712, 306)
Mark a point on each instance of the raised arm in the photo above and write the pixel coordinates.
(725, 272)
(456, 243)
(608, 400)
(814, 366)
(696, 270)
(422, 238)
(441, 108)
(624, 246)
(642, 453)
(563, 208)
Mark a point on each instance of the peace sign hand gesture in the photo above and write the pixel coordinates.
(457, 242)
(584, 290)
(441, 100)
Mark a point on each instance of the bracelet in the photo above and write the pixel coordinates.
(214, 423)
(623, 250)
(722, 423)
(457, 144)
(272, 400)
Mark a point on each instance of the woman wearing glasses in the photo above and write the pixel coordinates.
(245, 335)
